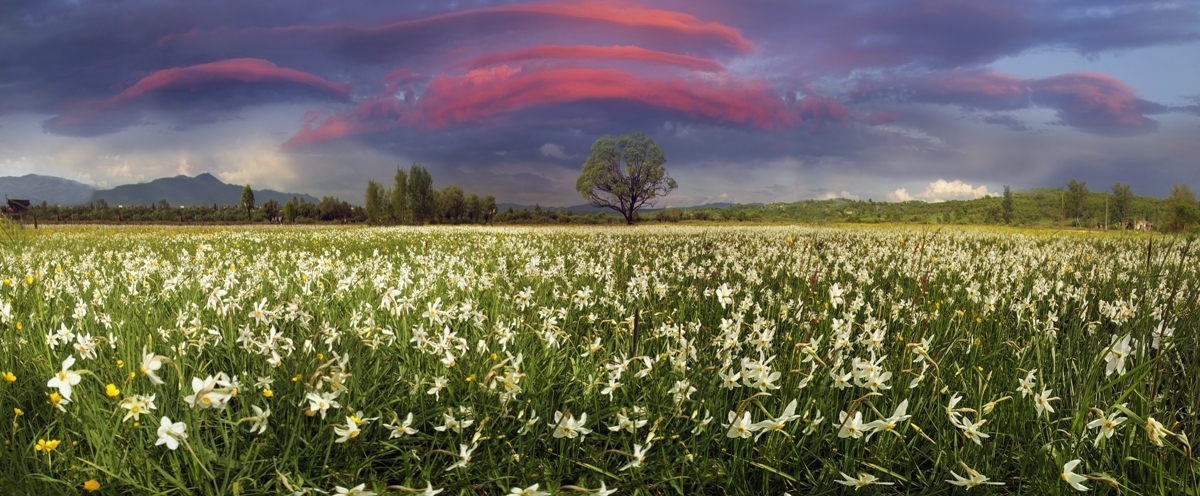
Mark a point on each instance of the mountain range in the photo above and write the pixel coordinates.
(204, 189)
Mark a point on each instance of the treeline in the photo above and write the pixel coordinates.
(1073, 206)
(329, 209)
(412, 200)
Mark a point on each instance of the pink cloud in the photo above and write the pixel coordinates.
(180, 84)
(598, 52)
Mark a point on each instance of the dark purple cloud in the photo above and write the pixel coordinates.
(198, 92)
(1090, 102)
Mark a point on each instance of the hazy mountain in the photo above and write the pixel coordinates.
(52, 190)
(204, 189)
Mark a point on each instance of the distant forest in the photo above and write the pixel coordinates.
(411, 200)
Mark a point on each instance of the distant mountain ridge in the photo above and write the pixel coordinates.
(204, 189)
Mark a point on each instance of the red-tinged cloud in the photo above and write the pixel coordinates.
(1091, 102)
(484, 94)
(194, 93)
(572, 53)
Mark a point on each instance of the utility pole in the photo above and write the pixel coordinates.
(1106, 213)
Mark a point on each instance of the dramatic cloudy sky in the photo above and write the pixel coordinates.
(753, 101)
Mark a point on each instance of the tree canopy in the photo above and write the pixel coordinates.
(625, 174)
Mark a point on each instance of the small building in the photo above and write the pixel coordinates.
(1143, 225)
(17, 206)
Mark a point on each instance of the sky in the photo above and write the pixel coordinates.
(751, 101)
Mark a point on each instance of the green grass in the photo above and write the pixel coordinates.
(994, 304)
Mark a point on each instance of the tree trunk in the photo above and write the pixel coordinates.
(628, 218)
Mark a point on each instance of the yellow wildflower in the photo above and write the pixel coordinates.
(46, 446)
(8, 377)
(267, 393)
(112, 391)
(91, 485)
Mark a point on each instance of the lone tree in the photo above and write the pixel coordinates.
(625, 174)
(248, 201)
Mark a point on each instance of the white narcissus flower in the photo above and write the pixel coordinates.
(529, 491)
(851, 426)
(568, 427)
(863, 480)
(890, 423)
(1026, 385)
(971, 430)
(740, 427)
(359, 490)
(1117, 353)
(65, 378)
(1070, 477)
(211, 392)
(401, 429)
(347, 432)
(639, 457)
(1108, 425)
(1156, 431)
(777, 423)
(150, 365)
(464, 456)
(976, 479)
(318, 403)
(1041, 403)
(258, 422)
(170, 433)
(429, 490)
(604, 490)
(628, 424)
(137, 405)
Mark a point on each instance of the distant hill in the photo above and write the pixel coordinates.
(52, 190)
(204, 189)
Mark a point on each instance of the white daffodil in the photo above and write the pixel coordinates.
(976, 479)
(449, 422)
(1156, 431)
(1070, 477)
(170, 433)
(1116, 356)
(740, 427)
(639, 457)
(258, 421)
(429, 490)
(890, 423)
(629, 425)
(1107, 425)
(1041, 403)
(568, 427)
(401, 430)
(359, 490)
(971, 430)
(346, 432)
(863, 480)
(604, 490)
(529, 491)
(1025, 386)
(777, 423)
(65, 378)
(137, 406)
(464, 456)
(150, 365)
(211, 392)
(319, 403)
(852, 427)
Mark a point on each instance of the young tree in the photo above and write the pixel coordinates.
(1007, 205)
(289, 210)
(270, 209)
(1076, 194)
(625, 174)
(248, 201)
(1122, 201)
(420, 194)
(374, 206)
(473, 209)
(1181, 209)
(400, 209)
(489, 208)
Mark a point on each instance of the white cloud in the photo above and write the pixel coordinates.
(829, 195)
(942, 190)
(554, 151)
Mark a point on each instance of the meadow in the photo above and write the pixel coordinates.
(628, 361)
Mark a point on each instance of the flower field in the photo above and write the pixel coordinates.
(685, 360)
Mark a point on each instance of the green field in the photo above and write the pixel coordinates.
(652, 360)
